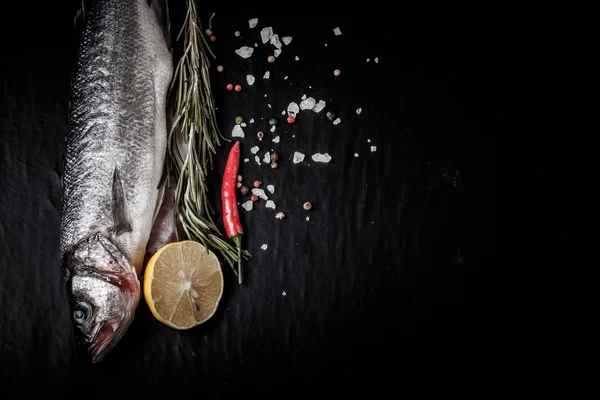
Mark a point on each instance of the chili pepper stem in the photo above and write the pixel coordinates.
(238, 243)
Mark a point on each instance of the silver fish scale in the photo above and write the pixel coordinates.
(117, 120)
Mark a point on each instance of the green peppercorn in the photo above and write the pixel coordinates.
(272, 122)
(239, 120)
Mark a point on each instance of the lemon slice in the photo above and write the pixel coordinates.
(183, 284)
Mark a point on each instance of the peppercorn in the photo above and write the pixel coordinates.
(220, 68)
(238, 88)
(239, 184)
(229, 86)
(280, 215)
(291, 119)
(260, 135)
(244, 189)
(337, 72)
(237, 33)
(239, 120)
(208, 32)
(274, 157)
(272, 122)
(271, 59)
(239, 178)
(254, 197)
(274, 165)
(257, 183)
(330, 116)
(307, 206)
(213, 38)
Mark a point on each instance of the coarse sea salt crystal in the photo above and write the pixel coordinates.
(285, 78)
(243, 124)
(355, 154)
(266, 33)
(376, 60)
(273, 128)
(269, 105)
(337, 31)
(248, 205)
(283, 293)
(274, 40)
(286, 40)
(307, 104)
(270, 204)
(324, 158)
(337, 121)
(246, 159)
(277, 52)
(237, 131)
(319, 106)
(260, 193)
(373, 148)
(296, 58)
(244, 51)
(255, 44)
(266, 76)
(283, 112)
(293, 109)
(264, 247)
(276, 139)
(252, 23)
(271, 188)
(254, 150)
(298, 157)
(358, 111)
(251, 120)
(303, 97)
(250, 79)
(368, 59)
(267, 157)
(368, 140)
(257, 159)
(308, 218)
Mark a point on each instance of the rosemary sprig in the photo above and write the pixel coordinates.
(195, 117)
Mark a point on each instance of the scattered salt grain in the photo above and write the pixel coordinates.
(285, 78)
(368, 140)
(270, 204)
(337, 121)
(237, 131)
(296, 58)
(254, 150)
(271, 188)
(243, 124)
(248, 205)
(266, 33)
(373, 148)
(255, 44)
(244, 51)
(298, 157)
(337, 31)
(355, 154)
(269, 105)
(264, 247)
(308, 218)
(303, 97)
(275, 41)
(252, 23)
(267, 158)
(286, 40)
(319, 106)
(293, 109)
(324, 158)
(358, 110)
(257, 159)
(267, 75)
(251, 120)
(368, 59)
(283, 112)
(325, 44)
(307, 104)
(250, 79)
(276, 139)
(376, 60)
(273, 128)
(260, 193)
(277, 52)
(283, 293)
(246, 159)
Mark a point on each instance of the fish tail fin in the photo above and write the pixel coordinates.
(161, 9)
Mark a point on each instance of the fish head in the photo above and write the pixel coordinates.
(104, 292)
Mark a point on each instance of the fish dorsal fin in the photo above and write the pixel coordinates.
(161, 9)
(120, 212)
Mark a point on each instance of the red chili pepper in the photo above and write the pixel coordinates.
(231, 217)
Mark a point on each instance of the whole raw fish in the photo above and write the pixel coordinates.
(115, 149)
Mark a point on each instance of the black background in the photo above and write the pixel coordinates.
(426, 256)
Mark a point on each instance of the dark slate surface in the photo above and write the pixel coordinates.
(415, 257)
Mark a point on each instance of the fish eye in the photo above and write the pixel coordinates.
(82, 312)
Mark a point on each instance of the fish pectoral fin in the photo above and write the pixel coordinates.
(120, 212)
